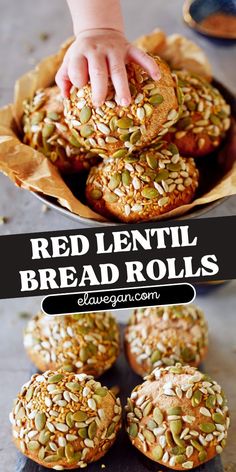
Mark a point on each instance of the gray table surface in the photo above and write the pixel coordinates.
(21, 46)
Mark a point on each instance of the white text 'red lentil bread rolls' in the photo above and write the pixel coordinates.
(45, 130)
(64, 421)
(165, 335)
(205, 116)
(84, 343)
(112, 130)
(143, 186)
(178, 417)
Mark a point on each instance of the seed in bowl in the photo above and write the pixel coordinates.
(142, 186)
(64, 421)
(82, 343)
(178, 417)
(163, 336)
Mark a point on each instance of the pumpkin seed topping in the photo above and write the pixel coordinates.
(156, 355)
(85, 114)
(29, 394)
(92, 429)
(202, 456)
(177, 450)
(96, 194)
(218, 418)
(37, 117)
(48, 130)
(157, 453)
(73, 386)
(147, 409)
(156, 99)
(158, 416)
(33, 445)
(69, 452)
(110, 197)
(44, 437)
(79, 416)
(125, 123)
(148, 109)
(152, 161)
(135, 137)
(151, 424)
(196, 398)
(40, 421)
(207, 427)
(52, 115)
(41, 453)
(55, 378)
(51, 458)
(187, 354)
(133, 430)
(169, 439)
(119, 153)
(174, 411)
(211, 401)
(149, 193)
(176, 427)
(86, 131)
(114, 181)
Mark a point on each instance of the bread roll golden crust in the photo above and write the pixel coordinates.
(160, 336)
(112, 130)
(143, 186)
(65, 421)
(87, 343)
(178, 417)
(45, 130)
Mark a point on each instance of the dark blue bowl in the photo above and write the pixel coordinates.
(196, 11)
(200, 9)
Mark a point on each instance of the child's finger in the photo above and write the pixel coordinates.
(145, 61)
(62, 80)
(98, 74)
(119, 79)
(78, 70)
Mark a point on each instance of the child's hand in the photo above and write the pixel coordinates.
(97, 54)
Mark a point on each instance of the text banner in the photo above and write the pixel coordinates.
(124, 256)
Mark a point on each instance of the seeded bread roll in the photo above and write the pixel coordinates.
(64, 421)
(160, 336)
(112, 130)
(178, 417)
(205, 117)
(87, 343)
(141, 187)
(45, 130)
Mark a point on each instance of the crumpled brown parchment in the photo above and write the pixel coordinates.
(178, 51)
(31, 170)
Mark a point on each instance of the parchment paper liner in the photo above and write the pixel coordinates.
(31, 170)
